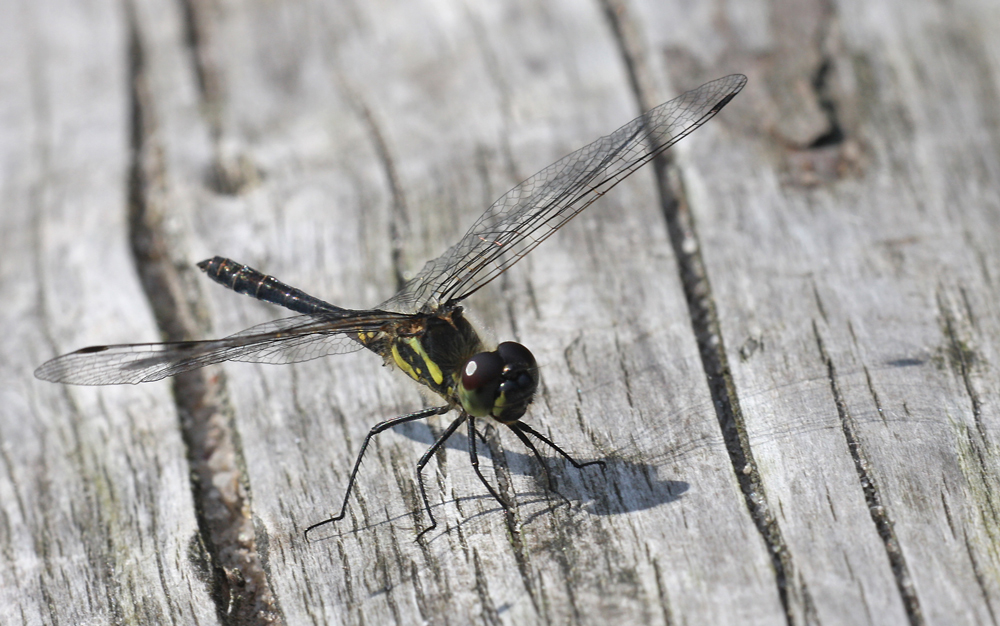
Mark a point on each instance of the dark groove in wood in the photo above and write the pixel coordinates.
(240, 588)
(195, 37)
(661, 594)
(962, 357)
(233, 172)
(399, 224)
(873, 496)
(490, 615)
(981, 580)
(708, 332)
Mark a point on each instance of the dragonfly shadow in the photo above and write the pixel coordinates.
(620, 486)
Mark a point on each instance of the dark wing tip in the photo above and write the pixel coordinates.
(734, 83)
(92, 349)
(55, 371)
(722, 103)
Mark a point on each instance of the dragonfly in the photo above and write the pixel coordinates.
(422, 329)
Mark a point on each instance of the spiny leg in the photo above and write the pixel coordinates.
(424, 460)
(524, 428)
(474, 458)
(381, 426)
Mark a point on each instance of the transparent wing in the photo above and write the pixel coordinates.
(287, 340)
(530, 212)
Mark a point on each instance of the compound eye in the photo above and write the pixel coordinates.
(481, 379)
(523, 382)
(520, 380)
(515, 356)
(483, 369)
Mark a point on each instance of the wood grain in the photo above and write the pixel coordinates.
(781, 339)
(98, 520)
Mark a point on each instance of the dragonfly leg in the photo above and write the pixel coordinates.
(474, 458)
(482, 438)
(423, 462)
(378, 428)
(524, 428)
(541, 461)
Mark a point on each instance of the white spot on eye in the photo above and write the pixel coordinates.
(470, 368)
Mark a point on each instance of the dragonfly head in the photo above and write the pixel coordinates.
(500, 384)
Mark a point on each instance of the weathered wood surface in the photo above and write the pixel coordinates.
(809, 435)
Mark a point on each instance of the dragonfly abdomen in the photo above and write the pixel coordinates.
(246, 280)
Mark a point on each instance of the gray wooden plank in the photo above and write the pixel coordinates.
(339, 146)
(98, 523)
(355, 139)
(855, 284)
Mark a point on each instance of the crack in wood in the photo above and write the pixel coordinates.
(981, 579)
(962, 357)
(239, 583)
(489, 615)
(196, 37)
(821, 85)
(623, 368)
(522, 560)
(505, 485)
(873, 496)
(875, 397)
(234, 171)
(705, 323)
(664, 600)
(399, 225)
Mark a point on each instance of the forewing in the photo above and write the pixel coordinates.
(288, 340)
(530, 212)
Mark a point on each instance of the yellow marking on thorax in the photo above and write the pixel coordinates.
(406, 366)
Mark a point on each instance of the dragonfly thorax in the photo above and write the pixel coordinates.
(443, 351)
